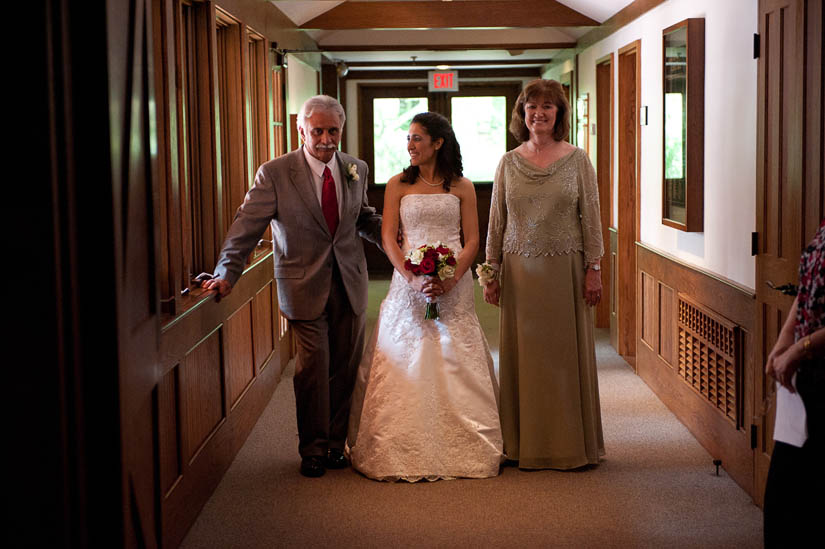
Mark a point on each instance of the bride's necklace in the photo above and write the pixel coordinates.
(428, 182)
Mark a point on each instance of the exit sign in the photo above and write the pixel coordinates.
(446, 81)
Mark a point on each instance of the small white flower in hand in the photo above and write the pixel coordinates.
(486, 273)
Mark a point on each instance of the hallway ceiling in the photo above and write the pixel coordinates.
(388, 35)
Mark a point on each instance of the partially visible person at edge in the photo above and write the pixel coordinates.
(794, 489)
(544, 240)
(315, 199)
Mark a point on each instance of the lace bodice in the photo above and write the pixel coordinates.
(545, 211)
(426, 218)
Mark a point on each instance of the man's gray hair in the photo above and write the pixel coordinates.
(320, 103)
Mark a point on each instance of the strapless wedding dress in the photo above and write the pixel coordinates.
(425, 404)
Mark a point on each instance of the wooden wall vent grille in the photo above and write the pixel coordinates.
(709, 353)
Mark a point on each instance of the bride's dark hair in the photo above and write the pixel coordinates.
(448, 158)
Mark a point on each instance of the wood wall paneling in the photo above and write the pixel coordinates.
(169, 451)
(649, 311)
(712, 394)
(202, 403)
(238, 353)
(263, 326)
(666, 324)
(250, 310)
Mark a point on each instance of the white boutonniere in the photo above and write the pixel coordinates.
(352, 172)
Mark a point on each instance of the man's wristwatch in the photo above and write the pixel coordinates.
(595, 267)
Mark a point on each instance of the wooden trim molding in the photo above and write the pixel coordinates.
(695, 338)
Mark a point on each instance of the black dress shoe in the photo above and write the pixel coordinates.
(336, 459)
(312, 466)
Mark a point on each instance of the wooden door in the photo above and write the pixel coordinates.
(628, 230)
(604, 173)
(138, 319)
(789, 197)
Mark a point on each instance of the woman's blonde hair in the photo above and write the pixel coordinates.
(541, 89)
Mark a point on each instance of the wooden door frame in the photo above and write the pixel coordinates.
(604, 172)
(628, 202)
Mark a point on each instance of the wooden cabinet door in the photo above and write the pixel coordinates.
(789, 197)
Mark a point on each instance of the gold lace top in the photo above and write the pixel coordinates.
(545, 211)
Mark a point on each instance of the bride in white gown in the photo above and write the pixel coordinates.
(425, 404)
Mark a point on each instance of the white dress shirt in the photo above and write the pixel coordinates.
(317, 169)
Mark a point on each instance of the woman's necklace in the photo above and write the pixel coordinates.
(427, 181)
(538, 148)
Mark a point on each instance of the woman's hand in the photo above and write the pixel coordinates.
(448, 284)
(592, 287)
(430, 286)
(782, 364)
(492, 292)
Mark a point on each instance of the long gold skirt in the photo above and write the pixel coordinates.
(550, 414)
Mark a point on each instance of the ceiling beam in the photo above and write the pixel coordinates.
(447, 47)
(439, 15)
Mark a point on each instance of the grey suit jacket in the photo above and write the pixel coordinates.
(284, 197)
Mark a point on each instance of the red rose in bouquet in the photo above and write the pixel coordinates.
(431, 260)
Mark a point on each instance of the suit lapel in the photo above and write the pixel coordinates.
(301, 177)
(349, 194)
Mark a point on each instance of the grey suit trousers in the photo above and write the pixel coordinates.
(329, 351)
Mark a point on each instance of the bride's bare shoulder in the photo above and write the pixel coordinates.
(462, 186)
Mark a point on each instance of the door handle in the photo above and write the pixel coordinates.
(786, 289)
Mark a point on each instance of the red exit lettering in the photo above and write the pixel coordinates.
(443, 80)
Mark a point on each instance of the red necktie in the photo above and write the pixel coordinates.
(329, 201)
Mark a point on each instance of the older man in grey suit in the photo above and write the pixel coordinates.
(315, 200)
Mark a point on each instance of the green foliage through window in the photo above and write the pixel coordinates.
(391, 122)
(480, 125)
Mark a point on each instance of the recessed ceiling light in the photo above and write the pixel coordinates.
(443, 67)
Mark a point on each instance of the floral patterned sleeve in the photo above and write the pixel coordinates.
(498, 215)
(810, 310)
(589, 211)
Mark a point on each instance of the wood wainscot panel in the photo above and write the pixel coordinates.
(263, 323)
(649, 311)
(667, 337)
(208, 428)
(170, 461)
(202, 400)
(701, 363)
(238, 354)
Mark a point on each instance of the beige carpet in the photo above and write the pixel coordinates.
(656, 487)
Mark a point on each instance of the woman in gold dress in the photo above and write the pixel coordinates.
(544, 241)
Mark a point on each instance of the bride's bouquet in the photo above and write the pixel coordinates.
(431, 260)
